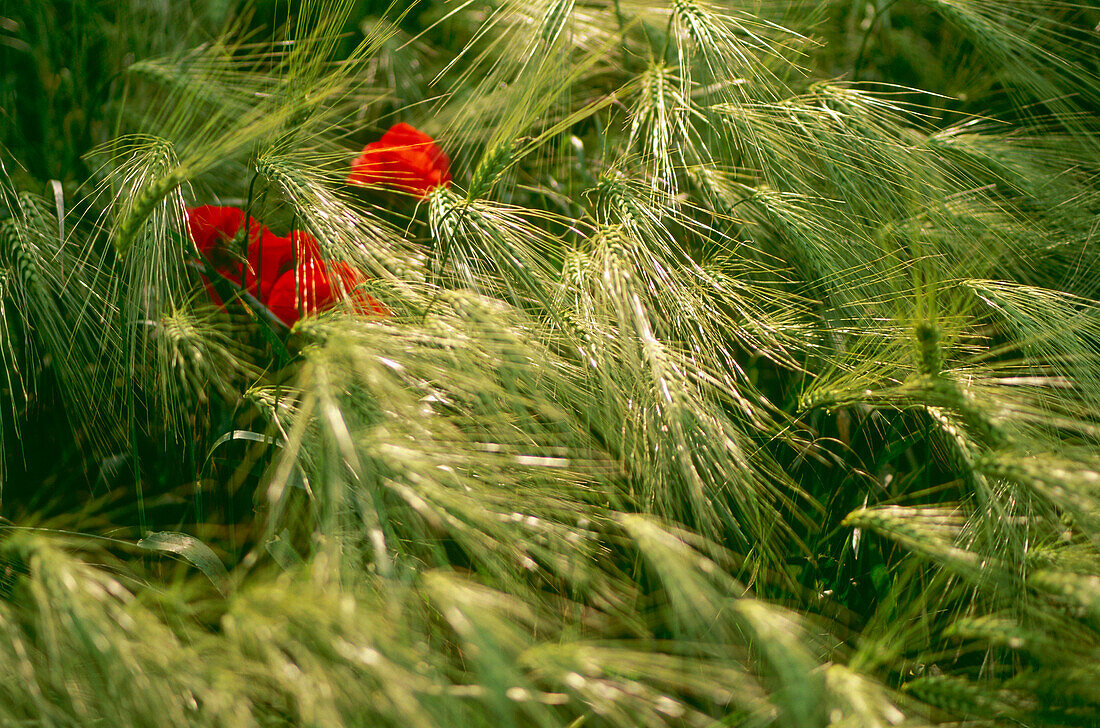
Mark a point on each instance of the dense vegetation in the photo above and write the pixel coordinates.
(747, 374)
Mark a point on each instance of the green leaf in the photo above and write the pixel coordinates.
(194, 551)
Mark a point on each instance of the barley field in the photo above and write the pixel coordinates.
(535, 363)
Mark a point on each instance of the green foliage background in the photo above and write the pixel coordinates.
(747, 375)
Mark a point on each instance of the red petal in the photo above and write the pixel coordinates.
(300, 292)
(359, 299)
(273, 256)
(405, 134)
(309, 288)
(405, 158)
(369, 167)
(213, 228)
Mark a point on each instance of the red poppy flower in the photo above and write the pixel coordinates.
(213, 230)
(404, 158)
(311, 287)
(272, 256)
